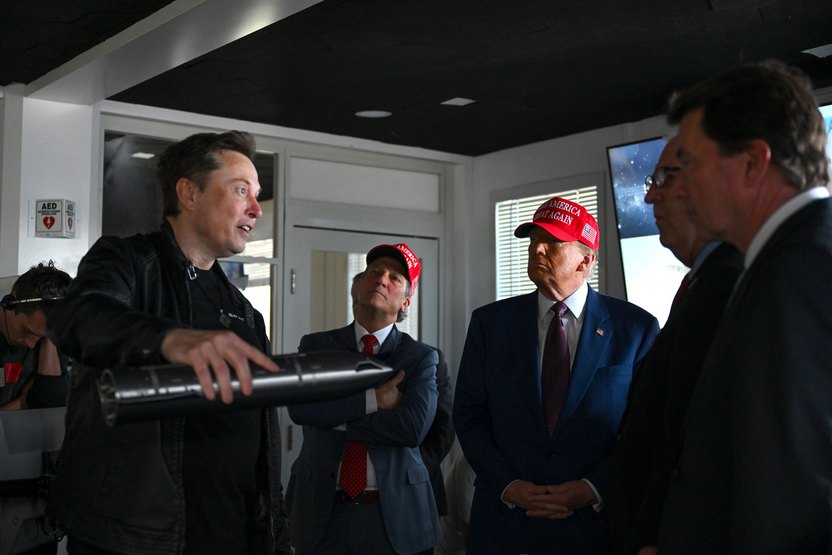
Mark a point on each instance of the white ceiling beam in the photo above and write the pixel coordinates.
(178, 33)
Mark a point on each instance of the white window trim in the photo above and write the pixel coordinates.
(552, 188)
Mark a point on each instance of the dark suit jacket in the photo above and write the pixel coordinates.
(755, 467)
(499, 421)
(392, 436)
(659, 396)
(441, 435)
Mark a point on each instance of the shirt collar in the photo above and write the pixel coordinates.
(778, 217)
(574, 302)
(381, 334)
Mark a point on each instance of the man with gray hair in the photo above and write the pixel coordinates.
(359, 484)
(648, 442)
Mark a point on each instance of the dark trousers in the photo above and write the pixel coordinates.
(354, 530)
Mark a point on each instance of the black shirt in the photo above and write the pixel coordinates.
(223, 460)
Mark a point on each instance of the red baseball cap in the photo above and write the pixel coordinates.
(403, 254)
(564, 220)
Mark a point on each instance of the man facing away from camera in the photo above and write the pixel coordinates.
(207, 483)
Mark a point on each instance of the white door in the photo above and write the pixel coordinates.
(318, 271)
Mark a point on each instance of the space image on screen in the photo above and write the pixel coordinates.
(826, 112)
(651, 272)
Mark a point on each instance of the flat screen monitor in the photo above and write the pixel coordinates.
(826, 112)
(651, 273)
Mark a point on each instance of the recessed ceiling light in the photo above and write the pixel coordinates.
(821, 51)
(373, 114)
(458, 101)
(143, 155)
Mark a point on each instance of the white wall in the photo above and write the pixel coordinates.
(48, 152)
(58, 140)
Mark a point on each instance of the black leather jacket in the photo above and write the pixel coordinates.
(121, 488)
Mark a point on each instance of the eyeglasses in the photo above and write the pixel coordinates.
(660, 177)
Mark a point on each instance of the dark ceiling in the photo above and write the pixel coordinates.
(537, 69)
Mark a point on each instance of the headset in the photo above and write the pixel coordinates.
(9, 301)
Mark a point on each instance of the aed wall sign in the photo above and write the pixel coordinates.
(54, 218)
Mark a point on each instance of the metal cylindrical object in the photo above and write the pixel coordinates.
(154, 392)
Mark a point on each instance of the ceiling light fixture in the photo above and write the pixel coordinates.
(458, 101)
(373, 114)
(142, 155)
(820, 51)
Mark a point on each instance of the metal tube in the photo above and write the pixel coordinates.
(154, 392)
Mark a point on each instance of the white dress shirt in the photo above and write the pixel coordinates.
(369, 395)
(778, 217)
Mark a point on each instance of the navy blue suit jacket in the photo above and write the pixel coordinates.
(499, 420)
(392, 436)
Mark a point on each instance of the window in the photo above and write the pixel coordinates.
(512, 253)
(251, 272)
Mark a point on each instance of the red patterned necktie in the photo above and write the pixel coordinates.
(681, 291)
(554, 369)
(354, 463)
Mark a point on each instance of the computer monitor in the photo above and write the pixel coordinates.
(651, 272)
(826, 112)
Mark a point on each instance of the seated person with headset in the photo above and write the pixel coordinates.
(33, 374)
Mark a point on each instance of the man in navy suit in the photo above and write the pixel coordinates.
(359, 484)
(755, 463)
(541, 453)
(645, 453)
(441, 435)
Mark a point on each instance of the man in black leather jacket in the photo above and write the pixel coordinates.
(201, 484)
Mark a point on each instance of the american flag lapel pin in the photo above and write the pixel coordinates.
(599, 332)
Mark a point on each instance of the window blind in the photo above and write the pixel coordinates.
(512, 253)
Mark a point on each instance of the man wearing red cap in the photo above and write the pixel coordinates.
(359, 484)
(542, 386)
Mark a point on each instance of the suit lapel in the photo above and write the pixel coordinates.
(524, 353)
(345, 337)
(390, 344)
(592, 345)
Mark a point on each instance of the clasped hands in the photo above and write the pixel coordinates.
(550, 501)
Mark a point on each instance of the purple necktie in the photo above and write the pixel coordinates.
(554, 370)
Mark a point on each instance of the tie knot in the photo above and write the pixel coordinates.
(369, 341)
(559, 308)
